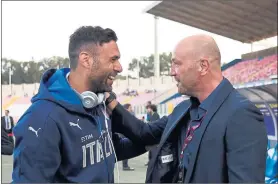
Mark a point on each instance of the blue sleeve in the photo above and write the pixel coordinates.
(148, 117)
(246, 143)
(125, 148)
(136, 130)
(37, 154)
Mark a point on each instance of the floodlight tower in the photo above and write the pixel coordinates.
(156, 54)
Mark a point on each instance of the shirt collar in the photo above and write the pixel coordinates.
(198, 109)
(195, 111)
(209, 100)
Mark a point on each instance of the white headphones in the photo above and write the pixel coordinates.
(90, 99)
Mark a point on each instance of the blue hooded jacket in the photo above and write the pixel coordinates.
(58, 140)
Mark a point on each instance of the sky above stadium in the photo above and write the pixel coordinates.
(41, 29)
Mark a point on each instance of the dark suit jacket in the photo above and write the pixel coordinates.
(3, 122)
(155, 116)
(7, 144)
(229, 147)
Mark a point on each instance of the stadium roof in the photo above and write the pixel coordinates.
(243, 20)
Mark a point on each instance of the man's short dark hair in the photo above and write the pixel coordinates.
(126, 106)
(88, 36)
(148, 104)
(153, 107)
(7, 111)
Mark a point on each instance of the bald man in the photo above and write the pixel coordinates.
(217, 136)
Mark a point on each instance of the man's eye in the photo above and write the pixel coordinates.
(115, 59)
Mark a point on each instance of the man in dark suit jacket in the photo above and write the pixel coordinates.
(153, 116)
(218, 136)
(7, 121)
(126, 167)
(152, 110)
(7, 145)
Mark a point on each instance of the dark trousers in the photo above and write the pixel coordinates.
(12, 139)
(151, 153)
(125, 163)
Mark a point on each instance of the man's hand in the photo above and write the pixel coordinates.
(112, 104)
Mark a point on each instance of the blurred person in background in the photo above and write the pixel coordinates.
(126, 167)
(152, 111)
(148, 114)
(8, 122)
(7, 145)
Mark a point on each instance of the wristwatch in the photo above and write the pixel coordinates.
(111, 97)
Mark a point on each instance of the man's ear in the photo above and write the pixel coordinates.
(204, 66)
(84, 59)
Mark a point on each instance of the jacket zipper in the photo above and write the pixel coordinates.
(99, 126)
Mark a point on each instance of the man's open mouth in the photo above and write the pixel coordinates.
(111, 78)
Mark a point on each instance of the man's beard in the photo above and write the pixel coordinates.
(104, 88)
(101, 86)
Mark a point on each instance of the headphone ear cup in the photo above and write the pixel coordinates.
(89, 99)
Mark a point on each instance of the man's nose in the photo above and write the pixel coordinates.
(172, 71)
(118, 67)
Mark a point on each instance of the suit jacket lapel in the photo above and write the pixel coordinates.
(221, 96)
(175, 118)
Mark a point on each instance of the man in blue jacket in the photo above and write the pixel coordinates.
(65, 136)
(218, 136)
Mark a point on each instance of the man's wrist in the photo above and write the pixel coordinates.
(111, 101)
(112, 105)
(112, 96)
